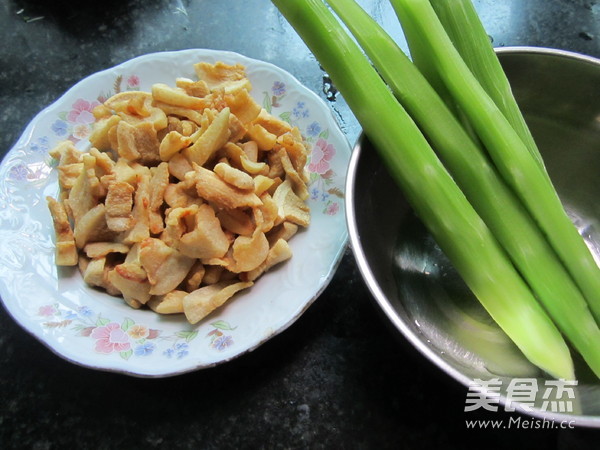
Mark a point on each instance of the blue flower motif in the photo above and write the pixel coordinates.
(85, 311)
(144, 349)
(299, 111)
(40, 146)
(169, 352)
(324, 196)
(181, 348)
(278, 88)
(222, 342)
(313, 129)
(18, 172)
(70, 315)
(59, 127)
(314, 194)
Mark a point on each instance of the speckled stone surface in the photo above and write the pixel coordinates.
(340, 377)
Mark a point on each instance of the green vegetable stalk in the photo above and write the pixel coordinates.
(433, 194)
(501, 210)
(514, 161)
(476, 49)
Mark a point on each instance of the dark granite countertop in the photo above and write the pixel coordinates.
(339, 377)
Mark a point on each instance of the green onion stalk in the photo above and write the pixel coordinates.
(493, 200)
(511, 156)
(475, 47)
(430, 189)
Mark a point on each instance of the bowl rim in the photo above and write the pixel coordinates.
(548, 51)
(387, 307)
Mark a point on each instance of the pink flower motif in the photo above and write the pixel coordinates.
(133, 81)
(332, 209)
(322, 153)
(110, 338)
(47, 310)
(82, 112)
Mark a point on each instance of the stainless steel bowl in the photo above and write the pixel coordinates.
(412, 281)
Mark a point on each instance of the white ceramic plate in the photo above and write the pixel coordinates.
(96, 330)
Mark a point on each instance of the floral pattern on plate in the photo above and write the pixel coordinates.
(76, 123)
(129, 338)
(322, 177)
(93, 329)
